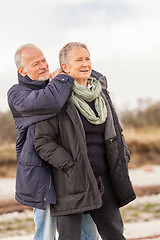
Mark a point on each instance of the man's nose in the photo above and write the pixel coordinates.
(43, 65)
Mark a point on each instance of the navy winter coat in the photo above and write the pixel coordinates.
(30, 102)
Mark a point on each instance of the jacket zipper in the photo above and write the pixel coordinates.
(50, 182)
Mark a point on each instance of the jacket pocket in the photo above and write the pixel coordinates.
(30, 157)
(30, 181)
(76, 180)
(126, 151)
(112, 152)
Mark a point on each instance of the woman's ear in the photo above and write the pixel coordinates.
(64, 68)
(22, 72)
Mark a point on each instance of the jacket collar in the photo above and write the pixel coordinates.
(33, 84)
(100, 78)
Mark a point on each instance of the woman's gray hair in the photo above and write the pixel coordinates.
(64, 52)
(18, 55)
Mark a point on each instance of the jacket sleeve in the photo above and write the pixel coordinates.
(49, 100)
(47, 145)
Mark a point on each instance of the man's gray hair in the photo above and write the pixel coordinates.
(18, 55)
(64, 52)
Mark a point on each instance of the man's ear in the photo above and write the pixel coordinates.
(64, 68)
(22, 72)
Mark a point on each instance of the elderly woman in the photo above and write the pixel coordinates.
(86, 148)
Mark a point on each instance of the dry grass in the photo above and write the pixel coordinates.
(144, 145)
(8, 160)
(142, 135)
(7, 153)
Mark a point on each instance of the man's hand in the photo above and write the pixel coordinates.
(55, 73)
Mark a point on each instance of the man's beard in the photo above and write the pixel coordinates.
(40, 78)
(43, 78)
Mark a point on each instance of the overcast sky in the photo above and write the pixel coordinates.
(123, 37)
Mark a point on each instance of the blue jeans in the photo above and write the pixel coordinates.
(45, 226)
(89, 229)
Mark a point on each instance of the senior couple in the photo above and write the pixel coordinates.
(72, 158)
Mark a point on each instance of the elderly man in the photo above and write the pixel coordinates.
(32, 100)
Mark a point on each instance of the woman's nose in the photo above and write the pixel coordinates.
(85, 63)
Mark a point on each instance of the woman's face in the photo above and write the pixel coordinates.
(79, 64)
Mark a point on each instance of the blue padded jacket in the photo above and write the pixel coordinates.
(30, 102)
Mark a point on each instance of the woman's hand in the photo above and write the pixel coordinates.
(55, 73)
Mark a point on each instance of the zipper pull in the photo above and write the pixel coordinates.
(111, 140)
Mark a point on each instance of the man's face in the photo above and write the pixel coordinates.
(36, 66)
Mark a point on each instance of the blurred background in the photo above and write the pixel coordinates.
(124, 41)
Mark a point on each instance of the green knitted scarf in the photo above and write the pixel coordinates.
(81, 94)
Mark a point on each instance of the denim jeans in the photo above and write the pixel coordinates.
(45, 226)
(89, 229)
